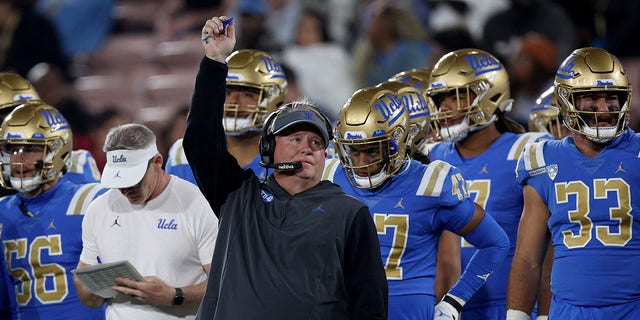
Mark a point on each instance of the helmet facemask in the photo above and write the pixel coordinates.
(258, 72)
(30, 129)
(454, 125)
(372, 136)
(45, 167)
(376, 172)
(476, 76)
(597, 126)
(242, 118)
(586, 73)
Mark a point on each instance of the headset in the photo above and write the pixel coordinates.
(267, 144)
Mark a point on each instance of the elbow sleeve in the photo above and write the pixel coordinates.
(493, 246)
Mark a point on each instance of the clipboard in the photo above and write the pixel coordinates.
(99, 278)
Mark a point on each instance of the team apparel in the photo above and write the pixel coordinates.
(171, 236)
(594, 210)
(42, 242)
(410, 212)
(492, 184)
(271, 245)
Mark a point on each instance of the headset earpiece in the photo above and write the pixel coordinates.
(267, 142)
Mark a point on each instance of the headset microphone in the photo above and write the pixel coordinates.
(284, 166)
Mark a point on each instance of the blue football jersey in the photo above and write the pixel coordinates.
(178, 165)
(594, 206)
(83, 168)
(42, 240)
(491, 181)
(7, 295)
(410, 212)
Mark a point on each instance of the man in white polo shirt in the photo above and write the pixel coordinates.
(160, 223)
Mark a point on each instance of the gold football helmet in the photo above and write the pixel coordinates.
(544, 116)
(15, 90)
(417, 77)
(419, 113)
(257, 70)
(593, 70)
(476, 75)
(34, 128)
(373, 122)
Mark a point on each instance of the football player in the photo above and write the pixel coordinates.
(579, 195)
(256, 86)
(407, 88)
(15, 91)
(419, 79)
(41, 224)
(469, 91)
(412, 204)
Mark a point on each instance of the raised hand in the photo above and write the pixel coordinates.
(218, 38)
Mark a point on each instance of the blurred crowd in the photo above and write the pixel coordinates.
(107, 62)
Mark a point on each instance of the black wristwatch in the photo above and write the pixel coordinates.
(179, 298)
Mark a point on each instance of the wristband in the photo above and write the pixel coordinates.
(453, 302)
(517, 315)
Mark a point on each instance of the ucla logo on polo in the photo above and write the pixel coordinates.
(483, 64)
(266, 197)
(566, 69)
(167, 225)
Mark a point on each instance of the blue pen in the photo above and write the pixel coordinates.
(226, 22)
(99, 261)
(224, 25)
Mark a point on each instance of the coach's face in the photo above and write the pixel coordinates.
(302, 143)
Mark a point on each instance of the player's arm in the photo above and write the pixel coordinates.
(544, 290)
(484, 233)
(449, 264)
(155, 291)
(87, 298)
(531, 246)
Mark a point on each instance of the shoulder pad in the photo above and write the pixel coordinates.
(82, 198)
(533, 156)
(176, 154)
(330, 167)
(433, 179)
(524, 140)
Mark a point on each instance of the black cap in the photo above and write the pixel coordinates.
(300, 116)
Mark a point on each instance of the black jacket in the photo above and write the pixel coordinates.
(314, 255)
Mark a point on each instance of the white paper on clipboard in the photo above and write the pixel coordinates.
(99, 278)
